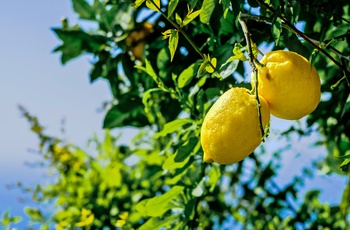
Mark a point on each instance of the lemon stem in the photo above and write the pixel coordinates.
(255, 72)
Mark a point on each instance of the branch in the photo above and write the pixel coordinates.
(305, 37)
(255, 71)
(179, 28)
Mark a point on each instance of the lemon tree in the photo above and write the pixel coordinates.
(167, 63)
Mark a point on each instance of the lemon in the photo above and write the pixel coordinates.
(230, 130)
(137, 39)
(289, 83)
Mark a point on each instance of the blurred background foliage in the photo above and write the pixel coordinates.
(166, 62)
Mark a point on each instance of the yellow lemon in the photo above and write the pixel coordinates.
(289, 83)
(137, 39)
(230, 130)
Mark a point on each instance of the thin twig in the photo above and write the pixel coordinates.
(179, 28)
(320, 44)
(302, 35)
(255, 71)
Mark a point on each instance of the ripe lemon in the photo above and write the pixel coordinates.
(137, 39)
(230, 130)
(289, 83)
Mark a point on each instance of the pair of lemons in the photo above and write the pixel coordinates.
(289, 88)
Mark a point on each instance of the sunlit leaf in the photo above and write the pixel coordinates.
(178, 19)
(187, 75)
(86, 219)
(173, 41)
(172, 6)
(153, 5)
(172, 126)
(34, 214)
(138, 3)
(345, 165)
(214, 176)
(229, 67)
(210, 68)
(190, 17)
(146, 97)
(207, 10)
(158, 205)
(181, 156)
(199, 189)
(158, 222)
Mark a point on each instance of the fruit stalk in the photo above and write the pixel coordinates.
(255, 71)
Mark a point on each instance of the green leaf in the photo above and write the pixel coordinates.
(172, 126)
(228, 68)
(153, 5)
(128, 112)
(186, 149)
(345, 201)
(83, 9)
(96, 71)
(150, 71)
(76, 42)
(107, 18)
(225, 4)
(277, 29)
(190, 17)
(207, 10)
(214, 176)
(7, 220)
(146, 97)
(202, 68)
(159, 205)
(173, 41)
(227, 24)
(138, 3)
(199, 189)
(311, 195)
(189, 208)
(345, 165)
(34, 214)
(187, 75)
(182, 155)
(337, 31)
(178, 19)
(171, 164)
(162, 59)
(172, 6)
(295, 11)
(159, 222)
(45, 227)
(210, 68)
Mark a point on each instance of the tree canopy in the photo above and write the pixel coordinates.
(166, 63)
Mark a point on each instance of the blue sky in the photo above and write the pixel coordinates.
(33, 77)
